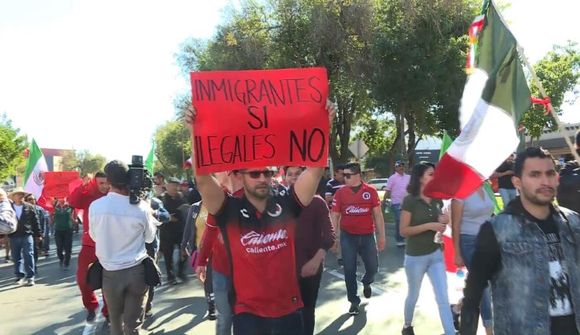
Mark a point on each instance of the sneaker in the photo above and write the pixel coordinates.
(401, 244)
(29, 282)
(211, 315)
(367, 291)
(353, 310)
(407, 331)
(340, 262)
(91, 315)
(20, 281)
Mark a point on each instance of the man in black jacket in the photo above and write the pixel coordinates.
(23, 239)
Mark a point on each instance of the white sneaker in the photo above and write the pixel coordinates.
(29, 282)
(20, 281)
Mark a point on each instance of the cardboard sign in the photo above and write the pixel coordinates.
(248, 119)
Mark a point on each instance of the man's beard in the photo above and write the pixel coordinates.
(533, 198)
(258, 195)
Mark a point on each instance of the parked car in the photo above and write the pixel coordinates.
(379, 183)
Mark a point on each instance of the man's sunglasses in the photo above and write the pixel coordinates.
(256, 174)
(348, 175)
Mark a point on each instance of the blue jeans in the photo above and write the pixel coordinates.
(222, 286)
(365, 246)
(433, 265)
(507, 195)
(246, 323)
(22, 247)
(467, 245)
(396, 208)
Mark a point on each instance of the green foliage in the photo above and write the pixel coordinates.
(419, 53)
(559, 72)
(83, 161)
(173, 148)
(12, 147)
(292, 33)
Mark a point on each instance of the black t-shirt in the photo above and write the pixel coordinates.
(487, 261)
(172, 205)
(505, 181)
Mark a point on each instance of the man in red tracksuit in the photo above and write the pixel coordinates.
(81, 198)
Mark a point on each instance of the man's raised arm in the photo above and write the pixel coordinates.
(212, 194)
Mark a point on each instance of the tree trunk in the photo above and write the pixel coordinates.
(410, 117)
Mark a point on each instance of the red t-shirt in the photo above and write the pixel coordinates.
(356, 208)
(262, 250)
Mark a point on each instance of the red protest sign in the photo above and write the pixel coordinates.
(60, 184)
(260, 118)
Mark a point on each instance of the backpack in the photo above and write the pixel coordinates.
(8, 221)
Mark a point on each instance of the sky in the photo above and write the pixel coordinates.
(101, 75)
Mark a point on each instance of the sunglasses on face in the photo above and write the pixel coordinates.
(256, 174)
(348, 175)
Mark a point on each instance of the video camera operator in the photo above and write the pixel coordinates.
(120, 229)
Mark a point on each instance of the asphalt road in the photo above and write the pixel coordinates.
(53, 305)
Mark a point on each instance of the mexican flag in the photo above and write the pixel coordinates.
(34, 171)
(494, 98)
(150, 161)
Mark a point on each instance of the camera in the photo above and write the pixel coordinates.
(140, 180)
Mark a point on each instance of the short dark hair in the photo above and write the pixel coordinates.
(354, 167)
(159, 174)
(533, 152)
(117, 174)
(339, 167)
(418, 171)
(100, 174)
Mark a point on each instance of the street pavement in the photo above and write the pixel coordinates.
(54, 306)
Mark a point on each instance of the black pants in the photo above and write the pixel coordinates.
(168, 242)
(309, 290)
(152, 252)
(63, 239)
(246, 323)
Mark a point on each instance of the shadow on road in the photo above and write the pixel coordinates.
(195, 308)
(359, 322)
(71, 321)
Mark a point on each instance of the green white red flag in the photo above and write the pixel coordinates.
(494, 99)
(34, 171)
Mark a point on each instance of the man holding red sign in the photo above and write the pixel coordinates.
(259, 228)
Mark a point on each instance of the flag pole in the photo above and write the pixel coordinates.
(537, 82)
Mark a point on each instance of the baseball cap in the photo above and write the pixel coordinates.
(173, 180)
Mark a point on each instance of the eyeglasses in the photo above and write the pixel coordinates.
(348, 175)
(256, 174)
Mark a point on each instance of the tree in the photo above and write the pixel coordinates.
(559, 72)
(173, 147)
(83, 161)
(12, 147)
(418, 50)
(292, 33)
